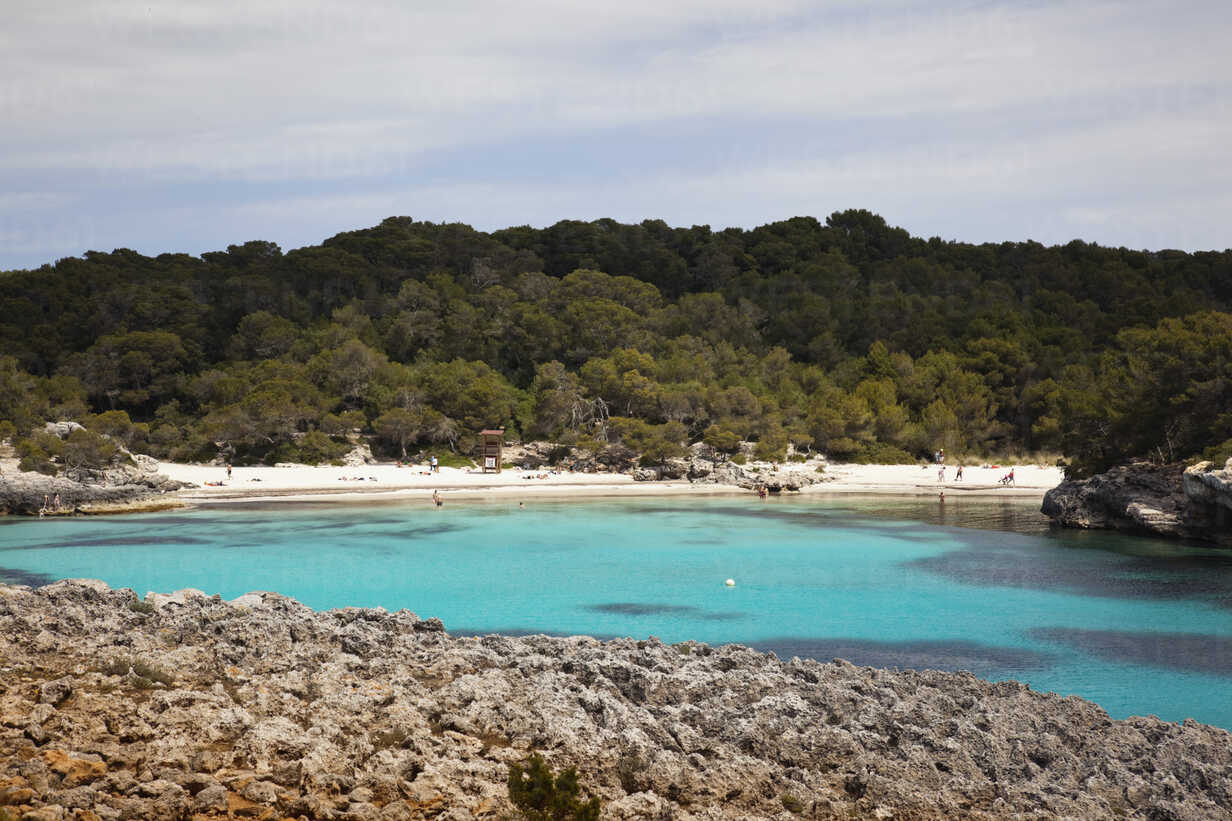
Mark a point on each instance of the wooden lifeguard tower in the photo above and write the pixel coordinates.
(490, 443)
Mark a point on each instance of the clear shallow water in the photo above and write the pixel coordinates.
(1138, 625)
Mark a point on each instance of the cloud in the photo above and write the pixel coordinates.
(784, 104)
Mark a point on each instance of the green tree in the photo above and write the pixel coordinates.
(86, 453)
(399, 427)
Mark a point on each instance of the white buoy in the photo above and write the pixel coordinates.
(730, 582)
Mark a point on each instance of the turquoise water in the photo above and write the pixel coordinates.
(1138, 625)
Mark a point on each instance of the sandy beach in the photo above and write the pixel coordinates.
(367, 482)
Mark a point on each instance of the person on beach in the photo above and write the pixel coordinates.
(436, 497)
(436, 468)
(941, 474)
(228, 470)
(55, 503)
(958, 475)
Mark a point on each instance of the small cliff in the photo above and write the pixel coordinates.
(1163, 500)
(133, 484)
(187, 706)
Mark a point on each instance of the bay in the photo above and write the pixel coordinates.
(1139, 625)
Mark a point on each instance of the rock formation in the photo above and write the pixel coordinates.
(1164, 500)
(26, 493)
(186, 706)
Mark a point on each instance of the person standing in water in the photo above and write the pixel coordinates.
(436, 498)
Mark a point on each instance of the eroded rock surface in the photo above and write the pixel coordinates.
(262, 708)
(1165, 500)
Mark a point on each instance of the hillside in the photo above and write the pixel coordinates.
(848, 337)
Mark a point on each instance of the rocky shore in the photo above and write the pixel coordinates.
(185, 706)
(1162, 500)
(134, 486)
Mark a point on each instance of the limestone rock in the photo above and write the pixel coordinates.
(279, 711)
(62, 429)
(360, 455)
(1164, 500)
(54, 692)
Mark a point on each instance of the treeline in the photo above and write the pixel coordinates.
(849, 337)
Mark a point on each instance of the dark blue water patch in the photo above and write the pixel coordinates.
(986, 661)
(12, 575)
(657, 609)
(1191, 652)
(422, 531)
(1117, 568)
(346, 524)
(111, 541)
(809, 518)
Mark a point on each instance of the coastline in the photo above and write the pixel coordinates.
(185, 704)
(366, 483)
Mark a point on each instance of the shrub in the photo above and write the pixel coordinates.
(655, 443)
(38, 452)
(880, 453)
(1219, 454)
(540, 796)
(86, 452)
(792, 804)
(445, 458)
(316, 447)
(771, 446)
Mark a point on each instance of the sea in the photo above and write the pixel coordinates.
(1141, 626)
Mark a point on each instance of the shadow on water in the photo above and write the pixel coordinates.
(655, 609)
(983, 660)
(1114, 566)
(112, 541)
(1193, 652)
(9, 575)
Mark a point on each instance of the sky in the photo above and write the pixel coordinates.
(189, 126)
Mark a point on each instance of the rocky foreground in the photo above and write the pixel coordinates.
(185, 706)
(1161, 500)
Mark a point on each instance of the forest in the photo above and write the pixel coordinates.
(850, 337)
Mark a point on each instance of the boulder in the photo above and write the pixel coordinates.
(62, 429)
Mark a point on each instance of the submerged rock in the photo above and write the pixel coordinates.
(1163, 500)
(274, 710)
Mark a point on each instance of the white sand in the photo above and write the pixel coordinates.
(389, 481)
(1029, 480)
